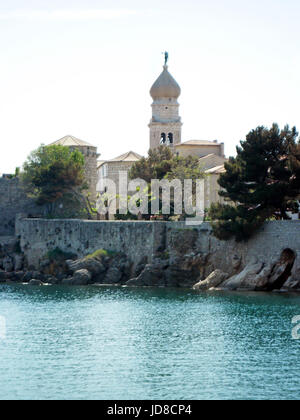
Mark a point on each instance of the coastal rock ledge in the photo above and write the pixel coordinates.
(257, 275)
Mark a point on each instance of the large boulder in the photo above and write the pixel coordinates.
(248, 277)
(282, 271)
(114, 275)
(258, 275)
(150, 276)
(293, 281)
(32, 275)
(81, 278)
(177, 276)
(51, 279)
(93, 265)
(35, 282)
(213, 280)
(162, 273)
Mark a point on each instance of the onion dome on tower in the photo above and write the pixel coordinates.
(165, 125)
(165, 86)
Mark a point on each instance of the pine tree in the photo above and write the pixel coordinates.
(261, 182)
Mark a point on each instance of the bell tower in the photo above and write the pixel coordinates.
(165, 125)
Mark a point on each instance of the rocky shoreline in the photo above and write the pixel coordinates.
(116, 269)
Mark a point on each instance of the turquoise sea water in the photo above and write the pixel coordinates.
(119, 343)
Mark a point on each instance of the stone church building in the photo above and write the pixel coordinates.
(165, 128)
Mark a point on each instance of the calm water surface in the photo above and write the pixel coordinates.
(119, 343)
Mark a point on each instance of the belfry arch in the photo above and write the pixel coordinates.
(163, 138)
(170, 138)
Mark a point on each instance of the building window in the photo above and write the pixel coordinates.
(105, 171)
(170, 138)
(163, 138)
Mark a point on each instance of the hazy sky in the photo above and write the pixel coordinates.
(85, 68)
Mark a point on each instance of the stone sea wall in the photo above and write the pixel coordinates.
(145, 241)
(137, 240)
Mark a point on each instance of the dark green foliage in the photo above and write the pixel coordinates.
(127, 216)
(58, 255)
(261, 182)
(162, 163)
(52, 171)
(230, 221)
(100, 253)
(158, 163)
(54, 176)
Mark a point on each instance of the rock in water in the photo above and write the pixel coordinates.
(93, 265)
(81, 278)
(113, 276)
(246, 279)
(148, 277)
(213, 280)
(35, 282)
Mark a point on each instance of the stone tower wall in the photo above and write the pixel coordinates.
(91, 176)
(165, 119)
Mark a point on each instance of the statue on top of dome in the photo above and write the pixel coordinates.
(166, 54)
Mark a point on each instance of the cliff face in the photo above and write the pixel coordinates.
(173, 253)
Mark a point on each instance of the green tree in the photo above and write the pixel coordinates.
(261, 182)
(158, 163)
(162, 163)
(52, 174)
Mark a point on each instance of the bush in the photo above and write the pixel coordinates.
(58, 255)
(99, 254)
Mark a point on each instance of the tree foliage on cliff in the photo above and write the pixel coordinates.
(51, 173)
(261, 182)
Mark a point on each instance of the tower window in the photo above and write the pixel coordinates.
(170, 138)
(163, 138)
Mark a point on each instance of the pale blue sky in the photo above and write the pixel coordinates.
(85, 68)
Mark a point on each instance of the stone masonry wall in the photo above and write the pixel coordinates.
(144, 240)
(90, 168)
(13, 200)
(81, 237)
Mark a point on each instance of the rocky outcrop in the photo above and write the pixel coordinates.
(170, 272)
(259, 275)
(93, 265)
(35, 282)
(152, 275)
(213, 280)
(248, 278)
(80, 278)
